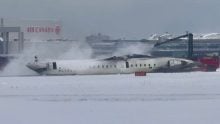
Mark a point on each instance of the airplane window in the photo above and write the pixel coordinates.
(145, 65)
(106, 66)
(154, 64)
(149, 65)
(103, 66)
(140, 65)
(136, 65)
(115, 66)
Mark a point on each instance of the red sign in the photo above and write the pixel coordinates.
(35, 29)
(57, 30)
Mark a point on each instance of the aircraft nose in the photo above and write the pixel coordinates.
(198, 64)
(189, 62)
(193, 63)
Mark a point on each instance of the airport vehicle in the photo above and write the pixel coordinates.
(127, 64)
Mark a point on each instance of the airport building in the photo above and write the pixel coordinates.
(104, 46)
(17, 35)
(202, 46)
(37, 29)
(178, 48)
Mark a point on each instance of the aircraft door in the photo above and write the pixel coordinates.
(54, 65)
(127, 64)
(124, 67)
(51, 65)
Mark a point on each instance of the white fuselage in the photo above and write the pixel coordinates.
(98, 67)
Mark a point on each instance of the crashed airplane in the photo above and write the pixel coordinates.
(127, 64)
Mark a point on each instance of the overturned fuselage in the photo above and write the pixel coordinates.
(113, 65)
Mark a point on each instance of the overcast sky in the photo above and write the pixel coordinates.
(130, 19)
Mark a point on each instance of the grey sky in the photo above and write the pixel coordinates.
(132, 19)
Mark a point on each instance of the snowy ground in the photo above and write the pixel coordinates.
(111, 99)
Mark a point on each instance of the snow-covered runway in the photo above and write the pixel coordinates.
(157, 98)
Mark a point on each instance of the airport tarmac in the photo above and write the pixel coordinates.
(156, 98)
